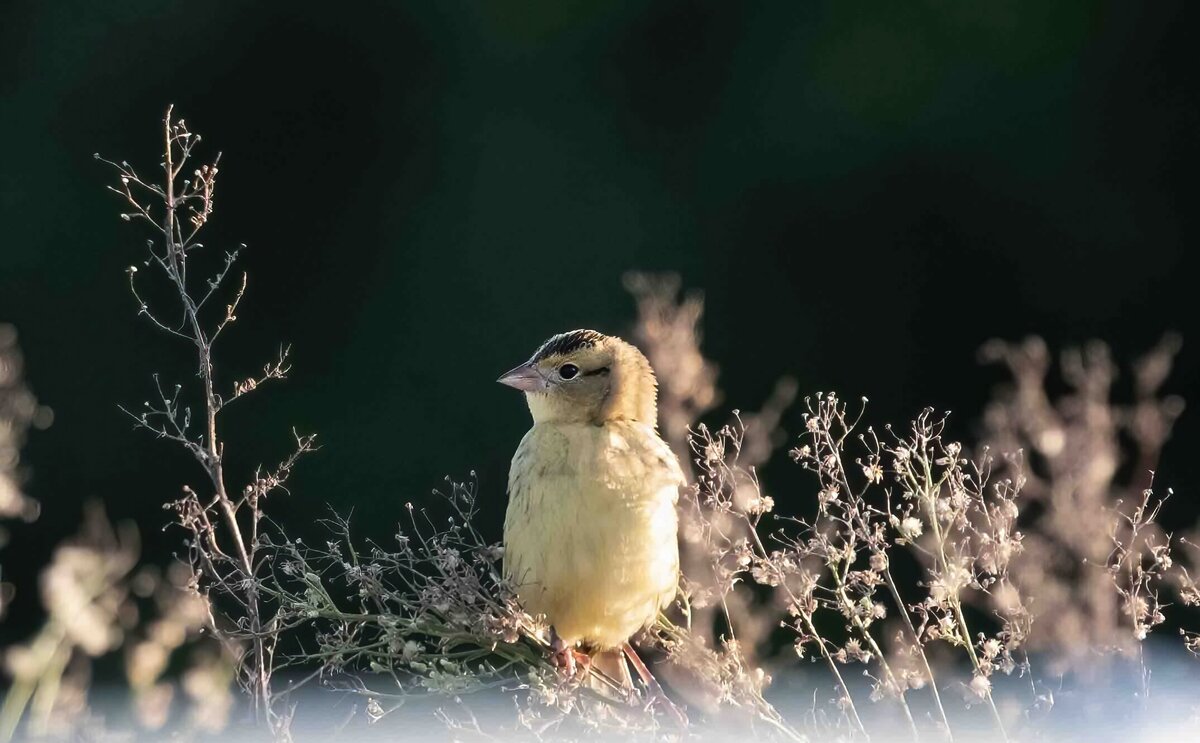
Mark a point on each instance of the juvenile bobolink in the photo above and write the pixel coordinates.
(591, 531)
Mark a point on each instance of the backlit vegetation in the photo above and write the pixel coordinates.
(918, 581)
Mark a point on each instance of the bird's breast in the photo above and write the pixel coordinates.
(591, 528)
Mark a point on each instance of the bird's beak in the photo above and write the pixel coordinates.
(525, 378)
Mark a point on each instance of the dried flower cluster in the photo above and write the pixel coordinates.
(667, 329)
(668, 332)
(428, 615)
(91, 597)
(1189, 590)
(98, 603)
(1077, 447)
(84, 592)
(18, 411)
(176, 622)
(911, 492)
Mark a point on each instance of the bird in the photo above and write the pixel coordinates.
(591, 529)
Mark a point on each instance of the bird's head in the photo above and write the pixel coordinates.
(586, 377)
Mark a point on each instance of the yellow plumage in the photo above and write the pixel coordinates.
(591, 530)
(590, 535)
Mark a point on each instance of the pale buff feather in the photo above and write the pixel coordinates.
(590, 533)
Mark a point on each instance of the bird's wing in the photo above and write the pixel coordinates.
(540, 461)
(663, 463)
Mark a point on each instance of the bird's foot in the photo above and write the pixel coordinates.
(583, 662)
(568, 658)
(659, 698)
(655, 696)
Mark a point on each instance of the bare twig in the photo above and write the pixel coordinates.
(225, 525)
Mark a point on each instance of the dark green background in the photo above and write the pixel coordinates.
(865, 192)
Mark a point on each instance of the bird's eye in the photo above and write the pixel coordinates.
(568, 371)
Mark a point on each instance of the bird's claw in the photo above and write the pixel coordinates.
(571, 661)
(568, 658)
(659, 698)
(655, 696)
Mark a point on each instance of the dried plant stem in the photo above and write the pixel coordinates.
(1138, 565)
(214, 448)
(860, 523)
(224, 543)
(908, 623)
(811, 628)
(760, 548)
(848, 609)
(51, 645)
(15, 700)
(928, 498)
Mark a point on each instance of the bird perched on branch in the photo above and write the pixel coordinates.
(590, 535)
